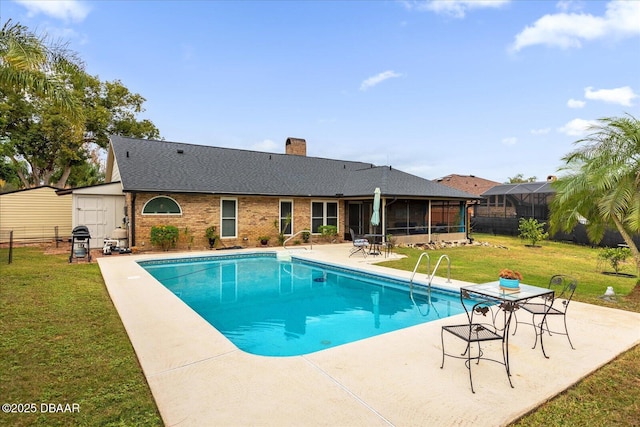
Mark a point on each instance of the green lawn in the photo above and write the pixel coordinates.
(62, 341)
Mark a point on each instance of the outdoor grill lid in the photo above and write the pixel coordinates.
(81, 232)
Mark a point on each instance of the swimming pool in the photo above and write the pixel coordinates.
(273, 307)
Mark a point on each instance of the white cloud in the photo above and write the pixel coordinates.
(575, 103)
(621, 95)
(266, 145)
(377, 79)
(66, 10)
(455, 8)
(567, 5)
(512, 140)
(569, 30)
(577, 127)
(543, 131)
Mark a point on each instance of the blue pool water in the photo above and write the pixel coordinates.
(271, 307)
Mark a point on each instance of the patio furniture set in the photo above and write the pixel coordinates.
(490, 311)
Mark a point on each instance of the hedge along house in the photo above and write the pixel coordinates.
(248, 194)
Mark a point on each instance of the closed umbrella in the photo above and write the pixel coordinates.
(375, 217)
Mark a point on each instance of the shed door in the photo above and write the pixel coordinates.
(90, 211)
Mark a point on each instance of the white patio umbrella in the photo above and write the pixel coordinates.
(375, 217)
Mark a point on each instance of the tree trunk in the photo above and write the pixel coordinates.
(63, 179)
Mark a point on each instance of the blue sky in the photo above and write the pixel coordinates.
(487, 88)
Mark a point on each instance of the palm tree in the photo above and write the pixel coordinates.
(28, 63)
(602, 186)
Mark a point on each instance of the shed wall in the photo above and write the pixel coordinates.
(34, 214)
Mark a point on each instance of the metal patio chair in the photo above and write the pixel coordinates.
(481, 315)
(564, 286)
(359, 245)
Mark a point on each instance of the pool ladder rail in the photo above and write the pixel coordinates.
(430, 276)
(284, 244)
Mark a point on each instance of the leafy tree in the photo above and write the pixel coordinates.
(532, 230)
(9, 180)
(520, 178)
(30, 64)
(602, 183)
(53, 115)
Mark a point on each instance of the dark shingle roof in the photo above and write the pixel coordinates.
(520, 188)
(149, 165)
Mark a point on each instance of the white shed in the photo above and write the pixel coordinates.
(99, 207)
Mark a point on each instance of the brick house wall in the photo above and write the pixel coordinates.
(256, 216)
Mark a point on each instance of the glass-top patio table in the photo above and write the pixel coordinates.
(510, 300)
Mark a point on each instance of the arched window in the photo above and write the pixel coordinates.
(161, 205)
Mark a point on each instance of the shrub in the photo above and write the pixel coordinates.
(164, 236)
(532, 230)
(615, 256)
(328, 231)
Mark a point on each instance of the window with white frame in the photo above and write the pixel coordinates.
(323, 213)
(161, 205)
(229, 217)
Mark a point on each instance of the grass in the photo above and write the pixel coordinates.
(611, 395)
(63, 342)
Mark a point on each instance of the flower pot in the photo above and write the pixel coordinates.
(509, 284)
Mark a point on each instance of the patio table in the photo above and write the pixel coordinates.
(376, 241)
(509, 301)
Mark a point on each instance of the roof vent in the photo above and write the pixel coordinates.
(180, 151)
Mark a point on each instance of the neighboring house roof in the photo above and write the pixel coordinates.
(520, 188)
(467, 183)
(162, 166)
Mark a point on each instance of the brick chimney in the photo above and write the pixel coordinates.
(296, 146)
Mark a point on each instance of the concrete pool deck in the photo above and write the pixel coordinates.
(199, 378)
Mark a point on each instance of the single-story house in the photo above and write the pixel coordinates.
(247, 194)
(35, 215)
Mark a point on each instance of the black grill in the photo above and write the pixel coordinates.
(81, 232)
(80, 244)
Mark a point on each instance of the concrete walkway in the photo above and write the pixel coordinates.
(199, 378)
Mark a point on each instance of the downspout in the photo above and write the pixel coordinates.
(133, 219)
